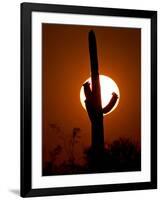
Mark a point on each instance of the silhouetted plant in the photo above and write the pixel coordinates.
(58, 132)
(121, 155)
(55, 152)
(68, 146)
(125, 154)
(93, 102)
(74, 139)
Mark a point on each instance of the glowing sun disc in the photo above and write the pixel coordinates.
(108, 86)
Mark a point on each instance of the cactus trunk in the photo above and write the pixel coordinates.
(93, 101)
(97, 122)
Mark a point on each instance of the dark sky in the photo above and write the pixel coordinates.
(66, 66)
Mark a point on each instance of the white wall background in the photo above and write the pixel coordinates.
(10, 98)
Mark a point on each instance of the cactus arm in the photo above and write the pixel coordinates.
(88, 101)
(87, 91)
(111, 104)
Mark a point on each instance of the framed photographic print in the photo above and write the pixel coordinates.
(88, 99)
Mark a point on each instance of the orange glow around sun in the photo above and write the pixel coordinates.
(108, 86)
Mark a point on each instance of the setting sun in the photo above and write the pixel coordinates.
(108, 86)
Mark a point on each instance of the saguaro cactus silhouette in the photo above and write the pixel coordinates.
(93, 100)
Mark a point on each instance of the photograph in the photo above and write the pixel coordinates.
(91, 99)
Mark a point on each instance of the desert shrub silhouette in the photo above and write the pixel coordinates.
(121, 155)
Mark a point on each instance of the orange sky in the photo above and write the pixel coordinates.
(66, 65)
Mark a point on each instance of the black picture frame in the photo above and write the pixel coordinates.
(26, 102)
